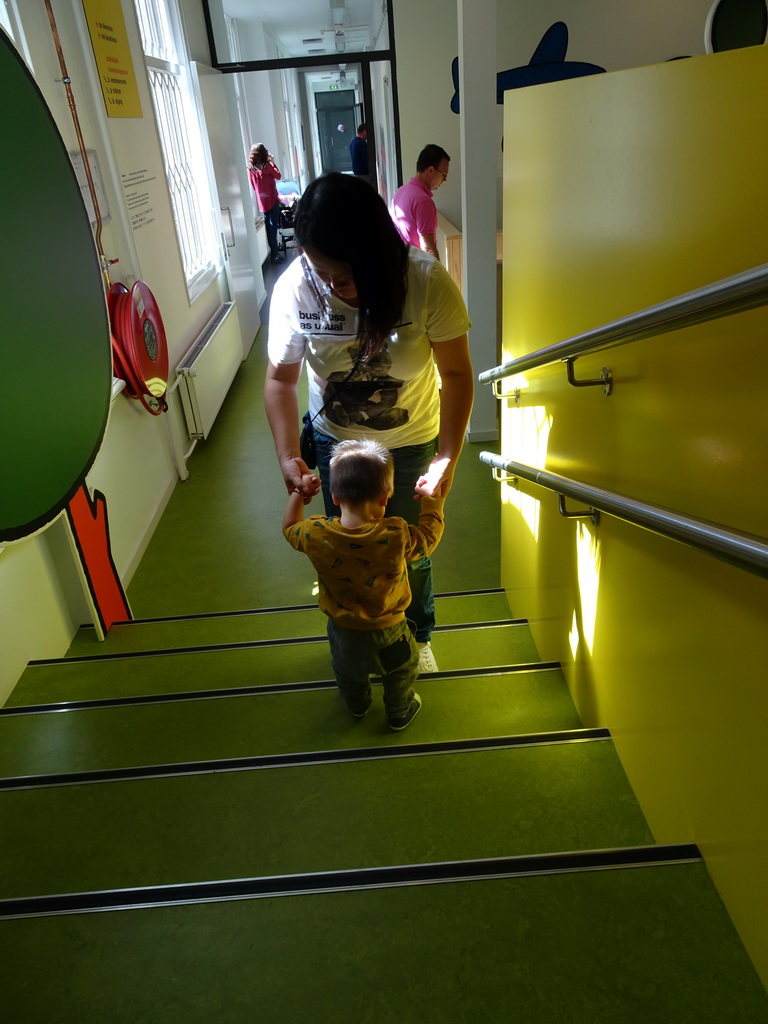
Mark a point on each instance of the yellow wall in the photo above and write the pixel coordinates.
(623, 190)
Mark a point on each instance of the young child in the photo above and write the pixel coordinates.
(360, 558)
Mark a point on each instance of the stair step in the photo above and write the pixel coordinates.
(124, 675)
(436, 872)
(641, 945)
(324, 817)
(261, 624)
(268, 723)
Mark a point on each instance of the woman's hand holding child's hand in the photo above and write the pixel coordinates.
(298, 477)
(436, 482)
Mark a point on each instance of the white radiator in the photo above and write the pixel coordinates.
(208, 369)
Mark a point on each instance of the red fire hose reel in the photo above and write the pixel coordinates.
(139, 346)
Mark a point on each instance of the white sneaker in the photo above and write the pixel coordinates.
(427, 661)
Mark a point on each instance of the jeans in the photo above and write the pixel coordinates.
(357, 654)
(410, 463)
(271, 222)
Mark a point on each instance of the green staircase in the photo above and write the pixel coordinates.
(197, 831)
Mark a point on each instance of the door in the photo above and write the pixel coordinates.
(238, 231)
(339, 111)
(336, 127)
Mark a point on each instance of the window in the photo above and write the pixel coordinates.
(9, 19)
(180, 138)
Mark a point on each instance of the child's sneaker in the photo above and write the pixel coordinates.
(361, 711)
(427, 661)
(396, 724)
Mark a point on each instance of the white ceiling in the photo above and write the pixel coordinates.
(306, 28)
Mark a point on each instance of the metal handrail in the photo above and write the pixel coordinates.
(744, 550)
(730, 295)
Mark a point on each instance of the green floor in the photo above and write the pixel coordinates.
(257, 855)
(218, 546)
(544, 950)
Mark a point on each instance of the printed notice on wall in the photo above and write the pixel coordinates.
(137, 185)
(109, 39)
(85, 188)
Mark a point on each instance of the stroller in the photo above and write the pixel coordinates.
(288, 195)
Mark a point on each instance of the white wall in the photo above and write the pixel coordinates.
(298, 155)
(426, 41)
(257, 86)
(613, 34)
(194, 30)
(40, 606)
(41, 601)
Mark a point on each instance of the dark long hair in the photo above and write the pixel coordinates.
(258, 158)
(345, 219)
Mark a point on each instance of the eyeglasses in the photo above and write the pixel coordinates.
(444, 174)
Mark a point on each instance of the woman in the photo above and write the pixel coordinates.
(373, 318)
(263, 173)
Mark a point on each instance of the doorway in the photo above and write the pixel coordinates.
(302, 41)
(335, 101)
(337, 117)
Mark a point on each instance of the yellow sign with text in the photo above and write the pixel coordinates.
(109, 39)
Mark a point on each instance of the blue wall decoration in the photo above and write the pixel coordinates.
(548, 64)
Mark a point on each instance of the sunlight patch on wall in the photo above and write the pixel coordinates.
(509, 385)
(588, 567)
(525, 439)
(527, 435)
(574, 637)
(528, 507)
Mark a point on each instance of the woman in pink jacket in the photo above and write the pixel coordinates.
(263, 173)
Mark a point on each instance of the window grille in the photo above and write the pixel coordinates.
(155, 26)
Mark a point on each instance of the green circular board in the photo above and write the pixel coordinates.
(55, 348)
(737, 23)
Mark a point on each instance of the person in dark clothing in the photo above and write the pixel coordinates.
(358, 150)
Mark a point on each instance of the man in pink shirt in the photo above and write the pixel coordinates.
(413, 209)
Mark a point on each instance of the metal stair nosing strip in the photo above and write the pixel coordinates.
(302, 758)
(350, 880)
(243, 645)
(253, 691)
(273, 610)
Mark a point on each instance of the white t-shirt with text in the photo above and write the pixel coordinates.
(393, 398)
